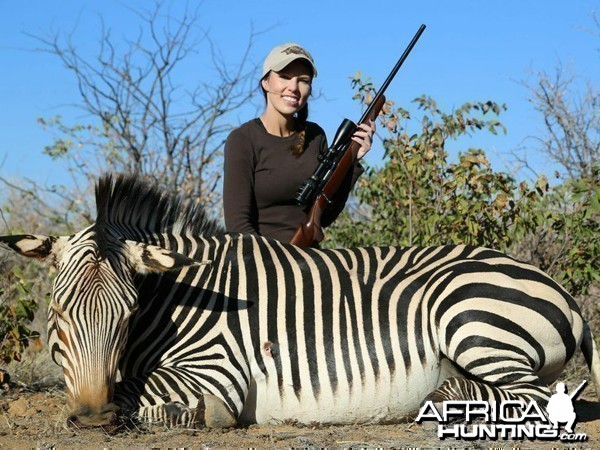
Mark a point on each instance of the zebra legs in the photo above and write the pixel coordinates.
(210, 412)
(146, 399)
(500, 379)
(456, 388)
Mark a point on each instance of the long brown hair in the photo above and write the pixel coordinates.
(301, 118)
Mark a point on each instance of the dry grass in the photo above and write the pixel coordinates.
(44, 426)
(36, 371)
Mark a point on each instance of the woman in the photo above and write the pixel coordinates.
(268, 158)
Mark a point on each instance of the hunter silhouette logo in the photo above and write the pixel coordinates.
(560, 406)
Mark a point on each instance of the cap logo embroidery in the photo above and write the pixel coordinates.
(297, 51)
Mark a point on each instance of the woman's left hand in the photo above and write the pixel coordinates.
(364, 136)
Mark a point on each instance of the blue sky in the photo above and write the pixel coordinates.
(471, 50)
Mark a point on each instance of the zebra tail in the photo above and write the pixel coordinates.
(590, 352)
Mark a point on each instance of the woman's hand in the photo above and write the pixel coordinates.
(364, 136)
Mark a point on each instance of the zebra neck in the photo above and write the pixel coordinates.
(207, 249)
(196, 247)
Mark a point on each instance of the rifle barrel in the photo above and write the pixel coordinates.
(578, 390)
(393, 72)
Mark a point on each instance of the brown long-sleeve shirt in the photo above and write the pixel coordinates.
(262, 176)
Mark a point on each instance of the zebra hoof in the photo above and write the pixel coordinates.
(217, 414)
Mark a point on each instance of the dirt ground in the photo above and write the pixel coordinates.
(39, 420)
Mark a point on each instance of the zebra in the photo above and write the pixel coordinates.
(157, 313)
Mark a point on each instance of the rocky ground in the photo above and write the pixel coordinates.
(39, 420)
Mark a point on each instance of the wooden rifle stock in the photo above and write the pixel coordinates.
(310, 232)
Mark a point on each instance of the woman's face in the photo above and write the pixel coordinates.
(288, 90)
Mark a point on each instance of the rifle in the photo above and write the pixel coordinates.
(334, 166)
(578, 390)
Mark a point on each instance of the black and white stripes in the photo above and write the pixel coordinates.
(277, 332)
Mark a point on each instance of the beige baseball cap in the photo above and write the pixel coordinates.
(284, 54)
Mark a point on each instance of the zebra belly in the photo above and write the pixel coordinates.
(389, 398)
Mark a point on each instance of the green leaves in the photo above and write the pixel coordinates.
(17, 307)
(567, 238)
(418, 197)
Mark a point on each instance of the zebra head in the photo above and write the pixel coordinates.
(93, 299)
(94, 294)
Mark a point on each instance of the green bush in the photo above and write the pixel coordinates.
(17, 308)
(419, 197)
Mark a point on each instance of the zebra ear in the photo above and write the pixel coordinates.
(32, 246)
(152, 258)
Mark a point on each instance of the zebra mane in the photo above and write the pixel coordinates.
(137, 208)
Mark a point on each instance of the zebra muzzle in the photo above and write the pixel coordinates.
(86, 417)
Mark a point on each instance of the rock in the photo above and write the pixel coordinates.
(21, 407)
(18, 407)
